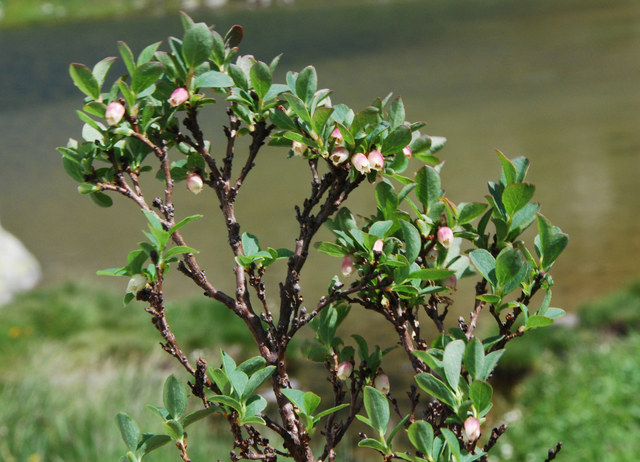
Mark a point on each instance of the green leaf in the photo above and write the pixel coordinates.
(509, 172)
(331, 410)
(101, 69)
(474, 358)
(183, 222)
(398, 139)
(428, 188)
(213, 79)
(467, 212)
(386, 198)
(282, 120)
(151, 442)
(485, 264)
(129, 430)
(261, 78)
(396, 113)
(412, 240)
(146, 54)
(517, 195)
(537, 321)
(101, 199)
(437, 389)
(226, 401)
(252, 365)
(481, 394)
(421, 436)
(198, 415)
(380, 228)
(298, 106)
(320, 118)
(490, 362)
(452, 442)
(250, 244)
(431, 274)
(396, 429)
(146, 75)
(174, 397)
(174, 429)
(509, 269)
(552, 242)
(377, 407)
(332, 249)
(256, 380)
(311, 402)
(452, 362)
(296, 397)
(83, 79)
(239, 381)
(372, 444)
(127, 56)
(306, 84)
(255, 405)
(178, 250)
(197, 45)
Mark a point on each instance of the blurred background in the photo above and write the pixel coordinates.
(557, 82)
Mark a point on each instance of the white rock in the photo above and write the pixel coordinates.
(19, 270)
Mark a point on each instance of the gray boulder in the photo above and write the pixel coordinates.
(19, 270)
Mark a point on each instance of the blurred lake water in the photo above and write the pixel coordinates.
(558, 82)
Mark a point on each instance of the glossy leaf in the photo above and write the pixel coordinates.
(490, 362)
(431, 274)
(398, 139)
(256, 380)
(306, 84)
(261, 78)
(481, 394)
(101, 69)
(386, 198)
(213, 79)
(197, 45)
(127, 56)
(421, 436)
(146, 75)
(413, 242)
(515, 196)
(474, 358)
(485, 264)
(428, 187)
(509, 269)
(83, 79)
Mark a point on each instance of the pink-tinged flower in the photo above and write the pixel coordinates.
(445, 237)
(195, 183)
(136, 284)
(451, 282)
(471, 428)
(381, 383)
(378, 246)
(339, 155)
(376, 160)
(345, 368)
(361, 163)
(336, 135)
(114, 113)
(179, 96)
(298, 148)
(347, 266)
(407, 151)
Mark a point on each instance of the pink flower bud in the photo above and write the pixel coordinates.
(336, 135)
(378, 246)
(445, 237)
(136, 284)
(195, 183)
(407, 152)
(179, 96)
(451, 282)
(298, 148)
(471, 428)
(381, 383)
(114, 113)
(345, 368)
(361, 163)
(339, 155)
(347, 266)
(376, 160)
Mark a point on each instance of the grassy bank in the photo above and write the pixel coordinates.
(73, 357)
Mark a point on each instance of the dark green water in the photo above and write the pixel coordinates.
(558, 82)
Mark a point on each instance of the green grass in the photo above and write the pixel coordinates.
(73, 357)
(583, 388)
